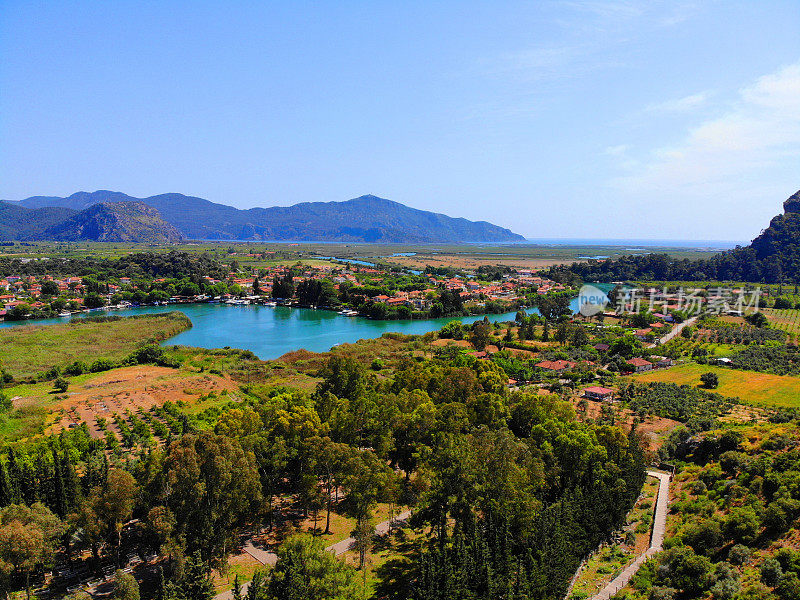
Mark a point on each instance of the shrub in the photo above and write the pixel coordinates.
(710, 380)
(61, 385)
(52, 373)
(149, 353)
(771, 572)
(739, 554)
(704, 536)
(660, 592)
(725, 589)
(168, 361)
(685, 570)
(742, 525)
(77, 368)
(789, 587)
(101, 364)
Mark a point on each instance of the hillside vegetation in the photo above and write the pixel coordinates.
(115, 222)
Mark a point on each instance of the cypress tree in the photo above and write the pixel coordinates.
(237, 588)
(72, 484)
(15, 476)
(6, 491)
(60, 497)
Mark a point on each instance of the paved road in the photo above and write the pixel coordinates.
(380, 529)
(270, 558)
(656, 540)
(675, 331)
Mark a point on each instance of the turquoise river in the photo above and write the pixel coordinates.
(273, 331)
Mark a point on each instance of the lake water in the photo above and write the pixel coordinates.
(271, 331)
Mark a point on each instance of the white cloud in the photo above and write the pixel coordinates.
(759, 133)
(618, 150)
(537, 58)
(684, 104)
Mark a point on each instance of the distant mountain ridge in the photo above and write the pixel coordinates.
(364, 219)
(20, 223)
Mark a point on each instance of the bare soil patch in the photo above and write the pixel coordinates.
(131, 388)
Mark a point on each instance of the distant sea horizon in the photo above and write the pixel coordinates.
(633, 244)
(626, 243)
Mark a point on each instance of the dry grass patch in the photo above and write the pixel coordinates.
(763, 389)
(30, 350)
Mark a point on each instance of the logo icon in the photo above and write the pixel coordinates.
(591, 300)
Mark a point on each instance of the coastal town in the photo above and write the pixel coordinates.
(353, 289)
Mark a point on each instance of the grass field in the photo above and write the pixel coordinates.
(32, 349)
(761, 389)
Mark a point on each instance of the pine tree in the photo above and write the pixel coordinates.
(72, 483)
(60, 499)
(15, 476)
(196, 581)
(255, 591)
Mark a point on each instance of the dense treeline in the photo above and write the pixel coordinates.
(771, 358)
(741, 264)
(727, 333)
(173, 264)
(517, 534)
(698, 408)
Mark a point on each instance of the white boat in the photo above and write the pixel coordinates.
(237, 301)
(65, 313)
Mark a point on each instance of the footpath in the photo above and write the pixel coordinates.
(656, 540)
(270, 558)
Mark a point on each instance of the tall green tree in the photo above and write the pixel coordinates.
(29, 537)
(212, 487)
(305, 571)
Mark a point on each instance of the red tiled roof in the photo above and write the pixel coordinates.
(638, 362)
(596, 389)
(555, 365)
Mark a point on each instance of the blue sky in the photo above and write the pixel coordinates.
(557, 119)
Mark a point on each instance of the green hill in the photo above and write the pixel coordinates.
(115, 222)
(20, 223)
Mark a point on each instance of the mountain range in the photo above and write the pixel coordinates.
(364, 219)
